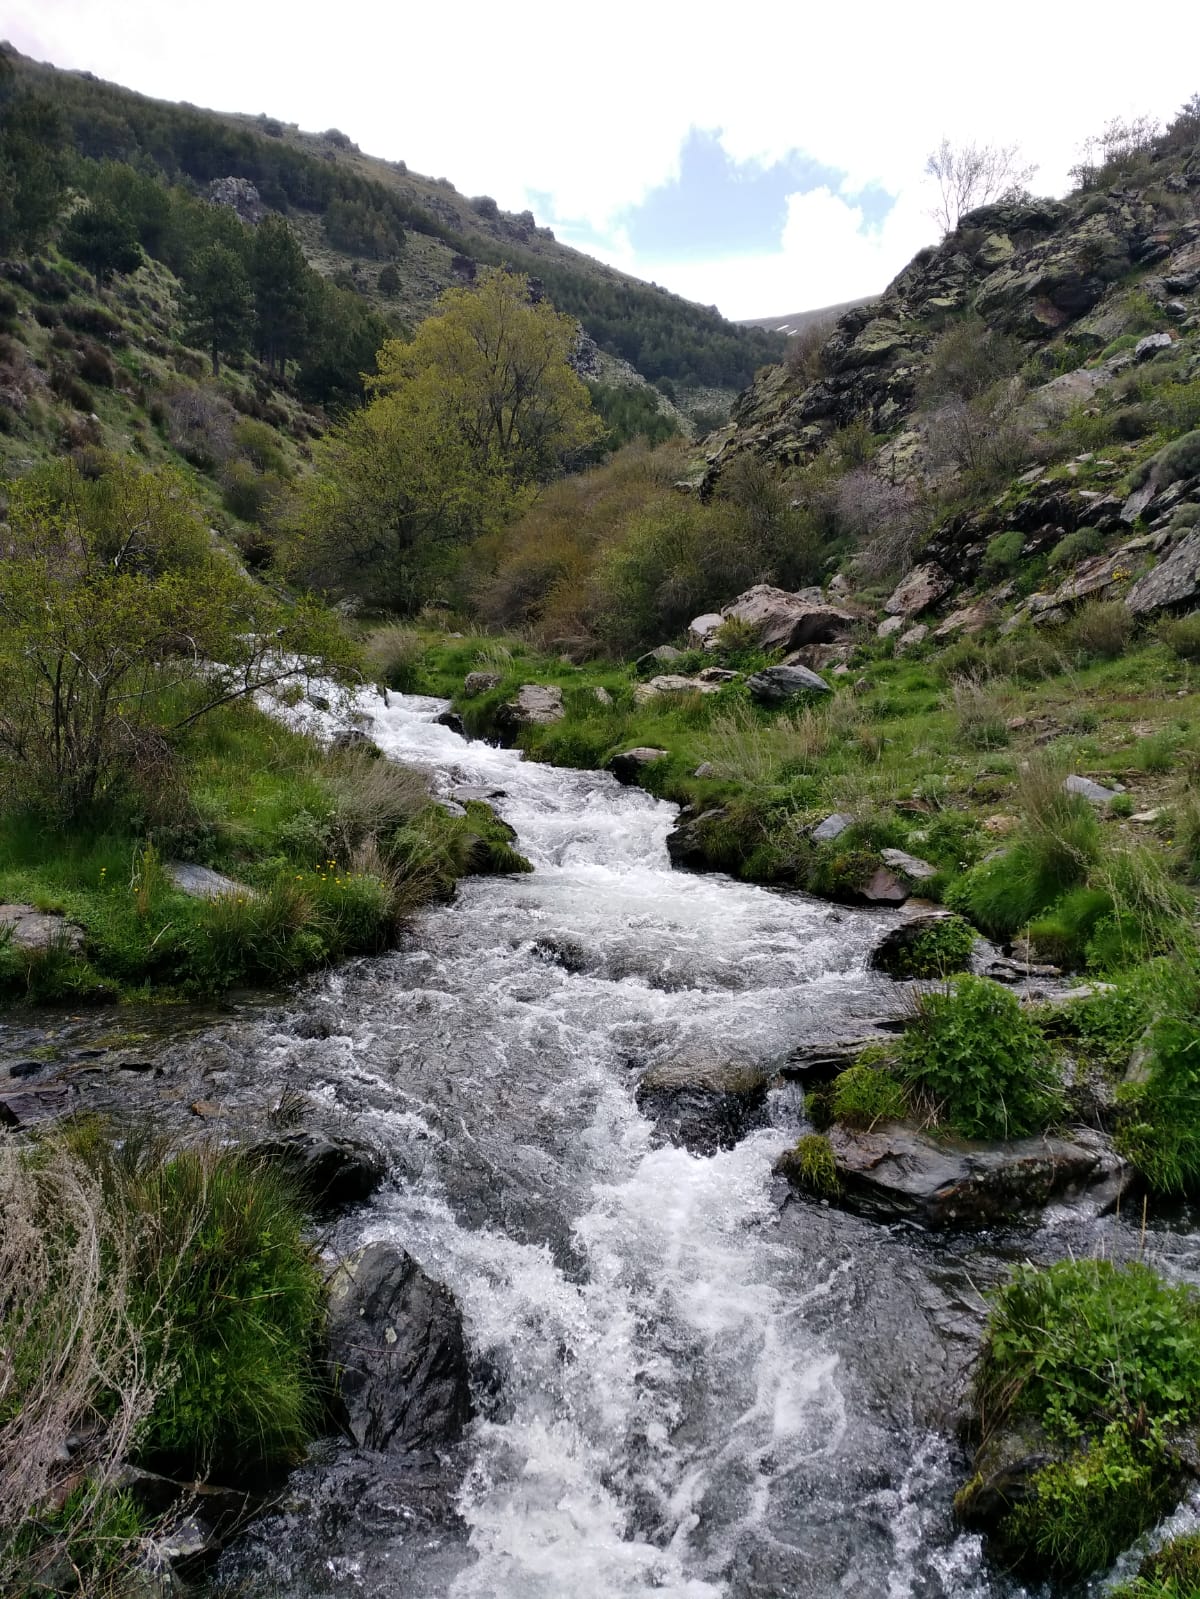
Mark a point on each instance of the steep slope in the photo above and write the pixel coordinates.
(356, 215)
(797, 321)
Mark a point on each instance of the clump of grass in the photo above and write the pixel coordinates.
(1100, 630)
(1172, 1572)
(973, 1051)
(1160, 1127)
(1181, 635)
(811, 1165)
(393, 655)
(867, 1093)
(980, 709)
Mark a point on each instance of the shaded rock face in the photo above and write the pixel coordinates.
(536, 705)
(396, 1339)
(1173, 583)
(924, 586)
(785, 621)
(897, 1174)
(775, 685)
(704, 1107)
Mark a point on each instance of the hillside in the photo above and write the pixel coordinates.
(798, 321)
(356, 215)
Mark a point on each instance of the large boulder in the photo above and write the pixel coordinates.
(702, 628)
(704, 1106)
(672, 683)
(536, 705)
(396, 1341)
(894, 1173)
(1173, 583)
(922, 587)
(28, 928)
(775, 685)
(785, 621)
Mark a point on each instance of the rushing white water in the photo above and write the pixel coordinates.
(697, 1394)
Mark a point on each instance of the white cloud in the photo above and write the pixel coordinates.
(592, 106)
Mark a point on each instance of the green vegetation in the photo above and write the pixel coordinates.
(1106, 1360)
(980, 1060)
(867, 1093)
(811, 1165)
(937, 949)
(163, 1306)
(1173, 1572)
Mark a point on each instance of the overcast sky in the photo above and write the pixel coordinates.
(766, 158)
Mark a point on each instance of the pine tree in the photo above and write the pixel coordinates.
(218, 303)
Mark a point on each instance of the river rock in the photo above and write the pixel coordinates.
(476, 683)
(832, 827)
(1173, 583)
(201, 882)
(333, 1173)
(704, 1107)
(922, 587)
(465, 792)
(895, 1173)
(664, 655)
(536, 705)
(628, 766)
(775, 685)
(396, 1340)
(353, 738)
(453, 721)
(686, 842)
(785, 621)
(671, 683)
(1094, 793)
(29, 928)
(911, 867)
(29, 1106)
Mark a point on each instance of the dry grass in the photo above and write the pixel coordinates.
(744, 750)
(72, 1363)
(373, 798)
(393, 655)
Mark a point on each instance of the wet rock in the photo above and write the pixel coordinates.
(1005, 1467)
(704, 1107)
(895, 1173)
(1173, 583)
(664, 655)
(832, 827)
(821, 1062)
(396, 1340)
(1094, 793)
(628, 766)
(536, 705)
(686, 842)
(353, 738)
(201, 882)
(775, 685)
(453, 721)
(911, 867)
(29, 1106)
(476, 683)
(29, 928)
(785, 621)
(922, 587)
(465, 792)
(333, 1173)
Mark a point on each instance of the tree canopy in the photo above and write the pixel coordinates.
(465, 422)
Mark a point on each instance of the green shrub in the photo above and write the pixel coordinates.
(492, 849)
(1180, 458)
(811, 1165)
(237, 1296)
(1181, 635)
(865, 1094)
(1085, 1343)
(1100, 630)
(939, 948)
(1084, 1510)
(1003, 553)
(974, 1052)
(1076, 547)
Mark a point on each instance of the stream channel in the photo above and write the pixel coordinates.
(689, 1384)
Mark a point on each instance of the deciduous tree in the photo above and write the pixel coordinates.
(971, 175)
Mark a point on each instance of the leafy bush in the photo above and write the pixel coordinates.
(1181, 635)
(974, 1051)
(865, 1094)
(1076, 547)
(1003, 552)
(938, 948)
